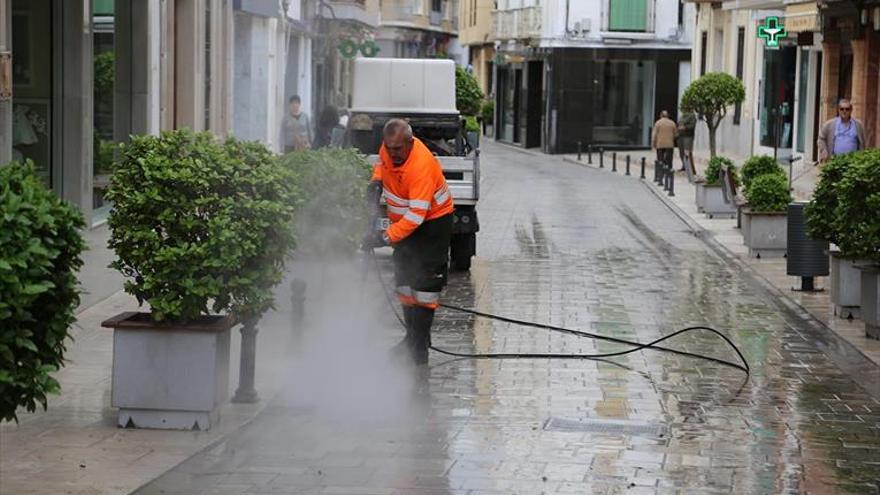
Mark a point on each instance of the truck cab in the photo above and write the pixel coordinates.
(423, 93)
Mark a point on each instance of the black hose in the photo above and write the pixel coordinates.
(637, 346)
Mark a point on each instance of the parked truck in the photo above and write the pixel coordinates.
(422, 92)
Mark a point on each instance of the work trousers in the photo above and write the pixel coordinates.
(421, 263)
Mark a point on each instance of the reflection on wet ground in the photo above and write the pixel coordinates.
(571, 247)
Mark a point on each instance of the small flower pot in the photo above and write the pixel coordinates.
(846, 285)
(714, 204)
(765, 233)
(870, 299)
(169, 376)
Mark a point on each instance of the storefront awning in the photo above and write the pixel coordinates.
(801, 17)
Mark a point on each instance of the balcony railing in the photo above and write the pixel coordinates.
(517, 23)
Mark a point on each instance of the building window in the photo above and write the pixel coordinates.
(704, 49)
(436, 5)
(740, 49)
(208, 67)
(628, 15)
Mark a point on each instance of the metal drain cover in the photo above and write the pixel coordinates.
(611, 426)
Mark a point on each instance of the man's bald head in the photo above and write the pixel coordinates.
(398, 138)
(664, 114)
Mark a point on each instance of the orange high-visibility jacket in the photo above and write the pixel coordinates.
(414, 192)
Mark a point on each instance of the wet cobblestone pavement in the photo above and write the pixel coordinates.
(574, 247)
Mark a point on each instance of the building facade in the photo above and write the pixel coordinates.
(417, 28)
(475, 34)
(780, 113)
(596, 72)
(170, 68)
(273, 61)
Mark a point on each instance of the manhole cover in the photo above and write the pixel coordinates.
(613, 426)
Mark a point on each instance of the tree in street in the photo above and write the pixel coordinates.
(709, 97)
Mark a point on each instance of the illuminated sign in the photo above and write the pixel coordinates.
(772, 31)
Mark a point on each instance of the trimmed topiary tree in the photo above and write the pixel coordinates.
(709, 97)
(332, 184)
(40, 247)
(759, 165)
(468, 95)
(200, 226)
(769, 193)
(857, 216)
(820, 213)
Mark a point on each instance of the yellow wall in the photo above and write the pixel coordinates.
(475, 21)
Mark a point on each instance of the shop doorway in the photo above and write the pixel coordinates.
(777, 101)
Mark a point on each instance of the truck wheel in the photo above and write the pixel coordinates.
(462, 248)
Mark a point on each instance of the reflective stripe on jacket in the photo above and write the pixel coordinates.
(414, 192)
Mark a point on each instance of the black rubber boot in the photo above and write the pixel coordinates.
(422, 318)
(405, 346)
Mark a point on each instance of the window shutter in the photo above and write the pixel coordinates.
(628, 15)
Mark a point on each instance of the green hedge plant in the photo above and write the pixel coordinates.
(713, 170)
(759, 165)
(857, 216)
(332, 182)
(468, 95)
(487, 111)
(768, 193)
(821, 211)
(200, 226)
(40, 247)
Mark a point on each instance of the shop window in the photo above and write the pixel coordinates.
(628, 15)
(704, 49)
(740, 49)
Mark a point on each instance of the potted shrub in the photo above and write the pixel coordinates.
(41, 245)
(332, 185)
(754, 167)
(714, 203)
(765, 223)
(757, 166)
(487, 112)
(857, 223)
(201, 230)
(821, 216)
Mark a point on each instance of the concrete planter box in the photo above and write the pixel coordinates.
(169, 376)
(846, 284)
(700, 197)
(765, 233)
(870, 295)
(714, 204)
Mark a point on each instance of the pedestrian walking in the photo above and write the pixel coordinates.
(663, 138)
(842, 134)
(686, 127)
(296, 128)
(420, 209)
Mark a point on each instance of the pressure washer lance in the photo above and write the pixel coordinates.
(636, 346)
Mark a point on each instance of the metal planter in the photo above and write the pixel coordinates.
(169, 376)
(714, 203)
(870, 300)
(765, 233)
(846, 285)
(807, 257)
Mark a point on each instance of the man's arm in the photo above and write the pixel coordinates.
(654, 136)
(822, 143)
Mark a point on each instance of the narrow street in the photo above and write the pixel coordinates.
(574, 247)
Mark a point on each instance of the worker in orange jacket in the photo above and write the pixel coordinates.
(420, 209)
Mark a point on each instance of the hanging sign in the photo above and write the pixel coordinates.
(772, 31)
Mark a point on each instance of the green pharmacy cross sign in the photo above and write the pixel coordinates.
(772, 31)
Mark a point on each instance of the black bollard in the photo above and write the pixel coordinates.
(580, 145)
(671, 180)
(614, 161)
(297, 301)
(643, 168)
(589, 155)
(601, 158)
(246, 393)
(627, 165)
(657, 171)
(665, 177)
